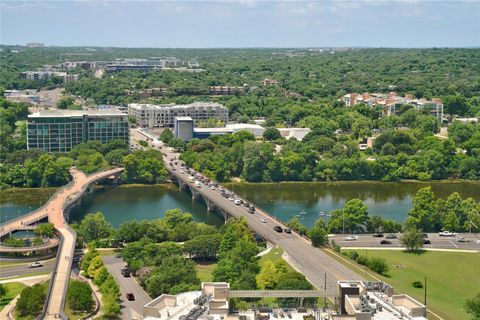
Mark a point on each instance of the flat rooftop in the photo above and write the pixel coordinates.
(184, 118)
(75, 113)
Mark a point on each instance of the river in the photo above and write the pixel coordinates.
(389, 200)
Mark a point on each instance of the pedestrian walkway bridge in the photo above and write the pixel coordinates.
(281, 294)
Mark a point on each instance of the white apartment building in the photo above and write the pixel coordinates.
(149, 115)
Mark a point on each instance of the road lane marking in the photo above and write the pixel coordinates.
(453, 244)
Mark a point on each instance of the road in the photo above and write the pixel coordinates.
(130, 309)
(312, 262)
(437, 242)
(23, 269)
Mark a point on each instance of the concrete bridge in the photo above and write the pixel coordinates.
(319, 268)
(56, 210)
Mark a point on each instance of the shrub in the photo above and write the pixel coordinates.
(143, 143)
(31, 300)
(362, 260)
(417, 284)
(378, 265)
(353, 255)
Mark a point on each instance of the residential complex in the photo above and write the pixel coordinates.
(59, 131)
(153, 64)
(149, 115)
(227, 90)
(391, 102)
(47, 74)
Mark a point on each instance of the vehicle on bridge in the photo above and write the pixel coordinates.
(278, 229)
(391, 236)
(351, 238)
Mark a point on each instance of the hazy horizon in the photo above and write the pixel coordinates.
(242, 24)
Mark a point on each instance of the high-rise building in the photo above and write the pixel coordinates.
(59, 131)
(149, 115)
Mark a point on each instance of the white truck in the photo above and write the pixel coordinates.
(447, 234)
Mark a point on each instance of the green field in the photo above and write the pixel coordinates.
(452, 277)
(13, 289)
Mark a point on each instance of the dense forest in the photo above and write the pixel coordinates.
(307, 95)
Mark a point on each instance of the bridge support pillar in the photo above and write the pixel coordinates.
(78, 202)
(211, 206)
(91, 188)
(181, 185)
(195, 194)
(116, 178)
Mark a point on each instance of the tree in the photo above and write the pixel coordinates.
(95, 227)
(176, 217)
(166, 136)
(79, 296)
(296, 225)
(44, 230)
(293, 281)
(31, 300)
(268, 277)
(318, 234)
(203, 247)
(255, 160)
(353, 217)
(95, 265)
(271, 134)
(412, 239)
(422, 215)
(473, 307)
(111, 307)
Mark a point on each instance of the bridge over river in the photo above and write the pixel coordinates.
(319, 268)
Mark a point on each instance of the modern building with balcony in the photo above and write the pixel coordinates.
(149, 115)
(60, 130)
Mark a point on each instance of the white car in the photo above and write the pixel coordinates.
(351, 238)
(212, 188)
(36, 265)
(238, 202)
(231, 198)
(447, 234)
(263, 220)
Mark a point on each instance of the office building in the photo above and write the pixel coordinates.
(183, 128)
(60, 130)
(149, 115)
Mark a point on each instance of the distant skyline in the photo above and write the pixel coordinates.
(245, 23)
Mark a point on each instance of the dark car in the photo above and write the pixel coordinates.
(426, 241)
(287, 230)
(125, 272)
(252, 207)
(251, 211)
(378, 235)
(130, 297)
(247, 205)
(76, 259)
(385, 242)
(278, 228)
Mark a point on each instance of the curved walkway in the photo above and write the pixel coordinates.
(67, 196)
(52, 243)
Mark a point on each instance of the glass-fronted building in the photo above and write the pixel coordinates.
(60, 130)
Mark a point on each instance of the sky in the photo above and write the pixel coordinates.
(245, 23)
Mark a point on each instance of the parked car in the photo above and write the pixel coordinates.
(287, 230)
(130, 296)
(391, 236)
(378, 235)
(125, 272)
(351, 238)
(385, 242)
(36, 265)
(447, 234)
(278, 228)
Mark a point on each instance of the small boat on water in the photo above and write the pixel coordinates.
(302, 212)
(321, 214)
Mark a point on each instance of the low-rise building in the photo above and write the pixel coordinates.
(297, 133)
(149, 115)
(227, 90)
(47, 74)
(269, 82)
(28, 96)
(391, 102)
(60, 130)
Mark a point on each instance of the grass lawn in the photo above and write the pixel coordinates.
(452, 277)
(274, 255)
(204, 271)
(13, 289)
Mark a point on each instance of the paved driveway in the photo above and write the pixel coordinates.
(130, 309)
